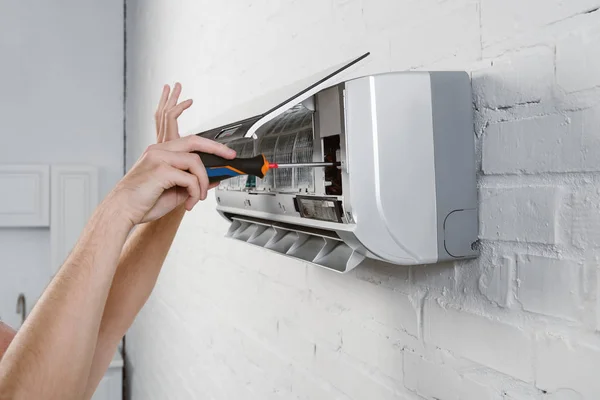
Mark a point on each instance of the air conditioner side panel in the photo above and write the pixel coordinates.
(456, 182)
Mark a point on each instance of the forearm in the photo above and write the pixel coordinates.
(138, 269)
(6, 336)
(51, 355)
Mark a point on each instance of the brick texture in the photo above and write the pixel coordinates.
(550, 286)
(524, 214)
(430, 380)
(495, 281)
(231, 321)
(553, 143)
(504, 19)
(521, 79)
(577, 62)
(503, 347)
(560, 365)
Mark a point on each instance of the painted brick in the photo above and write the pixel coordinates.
(352, 378)
(597, 299)
(363, 301)
(553, 143)
(578, 61)
(228, 320)
(522, 394)
(473, 390)
(502, 347)
(430, 380)
(495, 280)
(502, 19)
(372, 348)
(522, 78)
(550, 286)
(585, 222)
(380, 273)
(522, 214)
(375, 20)
(442, 276)
(460, 39)
(320, 325)
(590, 275)
(562, 364)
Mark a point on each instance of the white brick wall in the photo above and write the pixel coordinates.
(539, 276)
(230, 321)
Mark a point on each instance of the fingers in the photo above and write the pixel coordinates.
(193, 164)
(173, 177)
(159, 114)
(172, 129)
(197, 143)
(174, 98)
(188, 162)
(167, 113)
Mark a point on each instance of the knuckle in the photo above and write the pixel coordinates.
(151, 152)
(170, 113)
(203, 180)
(196, 189)
(162, 168)
(148, 152)
(195, 158)
(156, 162)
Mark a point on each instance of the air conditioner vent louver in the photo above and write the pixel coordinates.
(321, 247)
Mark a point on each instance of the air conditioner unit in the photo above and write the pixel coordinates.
(405, 192)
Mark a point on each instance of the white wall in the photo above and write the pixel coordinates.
(61, 101)
(230, 321)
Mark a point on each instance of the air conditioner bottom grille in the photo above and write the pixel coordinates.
(319, 247)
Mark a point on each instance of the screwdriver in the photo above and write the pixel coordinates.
(219, 168)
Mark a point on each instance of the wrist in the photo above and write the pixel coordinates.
(111, 211)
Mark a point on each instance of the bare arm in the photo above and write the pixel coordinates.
(49, 356)
(52, 354)
(142, 257)
(139, 267)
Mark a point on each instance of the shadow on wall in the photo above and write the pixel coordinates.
(399, 276)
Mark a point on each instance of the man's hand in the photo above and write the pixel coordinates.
(143, 194)
(167, 174)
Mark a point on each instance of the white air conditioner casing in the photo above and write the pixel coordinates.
(405, 192)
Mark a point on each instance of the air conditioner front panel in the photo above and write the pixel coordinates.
(392, 181)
